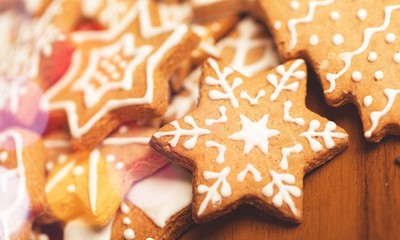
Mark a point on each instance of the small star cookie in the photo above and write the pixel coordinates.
(119, 75)
(354, 48)
(251, 140)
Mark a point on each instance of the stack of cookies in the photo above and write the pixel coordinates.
(134, 119)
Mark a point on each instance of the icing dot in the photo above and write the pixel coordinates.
(294, 5)
(126, 221)
(356, 76)
(337, 39)
(379, 75)
(277, 25)
(335, 15)
(390, 38)
(129, 234)
(372, 56)
(78, 171)
(123, 64)
(368, 101)
(43, 236)
(62, 158)
(124, 208)
(3, 156)
(49, 166)
(215, 27)
(314, 40)
(71, 188)
(117, 58)
(396, 58)
(119, 165)
(115, 75)
(123, 129)
(110, 158)
(362, 14)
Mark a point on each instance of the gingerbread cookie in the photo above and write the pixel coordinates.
(158, 207)
(91, 184)
(22, 180)
(251, 140)
(248, 49)
(119, 75)
(353, 46)
(206, 9)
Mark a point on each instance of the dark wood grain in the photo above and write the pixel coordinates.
(354, 196)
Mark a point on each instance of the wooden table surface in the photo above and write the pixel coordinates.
(354, 196)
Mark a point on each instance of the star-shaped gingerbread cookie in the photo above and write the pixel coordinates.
(119, 75)
(251, 140)
(354, 48)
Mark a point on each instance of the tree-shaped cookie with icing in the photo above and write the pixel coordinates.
(92, 184)
(251, 140)
(353, 47)
(119, 75)
(22, 180)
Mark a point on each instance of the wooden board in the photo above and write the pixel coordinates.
(354, 196)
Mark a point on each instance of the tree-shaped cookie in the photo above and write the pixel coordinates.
(354, 48)
(120, 74)
(251, 140)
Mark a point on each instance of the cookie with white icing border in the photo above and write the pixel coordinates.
(353, 47)
(22, 178)
(251, 140)
(158, 207)
(119, 75)
(92, 184)
(248, 49)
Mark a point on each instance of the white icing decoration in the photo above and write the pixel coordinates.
(375, 116)
(294, 5)
(223, 83)
(120, 141)
(379, 75)
(61, 174)
(129, 234)
(285, 184)
(396, 58)
(110, 158)
(284, 164)
(252, 101)
(126, 46)
(71, 188)
(126, 221)
(194, 133)
(247, 40)
(312, 5)
(286, 114)
(327, 135)
(62, 158)
(212, 192)
(78, 171)
(249, 168)
(348, 56)
(69, 106)
(79, 229)
(372, 56)
(125, 208)
(362, 14)
(49, 166)
(337, 39)
(221, 150)
(356, 76)
(390, 38)
(16, 180)
(222, 119)
(11, 90)
(368, 101)
(277, 25)
(286, 75)
(335, 15)
(94, 159)
(207, 43)
(254, 134)
(112, 12)
(119, 166)
(91, 7)
(163, 194)
(3, 157)
(314, 40)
